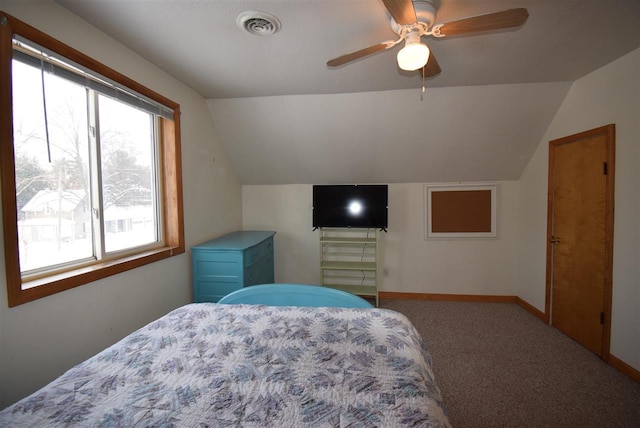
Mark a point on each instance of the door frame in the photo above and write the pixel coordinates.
(608, 131)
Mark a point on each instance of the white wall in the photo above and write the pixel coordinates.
(515, 264)
(41, 339)
(608, 95)
(484, 266)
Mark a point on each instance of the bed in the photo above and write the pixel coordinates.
(231, 365)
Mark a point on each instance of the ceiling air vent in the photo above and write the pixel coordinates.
(258, 23)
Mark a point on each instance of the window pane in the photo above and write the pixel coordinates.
(52, 186)
(128, 175)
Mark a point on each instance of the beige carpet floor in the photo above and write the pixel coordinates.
(499, 366)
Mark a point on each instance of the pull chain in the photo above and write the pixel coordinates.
(44, 107)
(423, 85)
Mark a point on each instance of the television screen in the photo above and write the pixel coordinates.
(350, 206)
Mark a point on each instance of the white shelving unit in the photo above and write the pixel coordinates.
(349, 260)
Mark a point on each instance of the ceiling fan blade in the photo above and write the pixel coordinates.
(356, 55)
(492, 21)
(432, 68)
(401, 11)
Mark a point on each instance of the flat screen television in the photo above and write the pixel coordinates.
(350, 205)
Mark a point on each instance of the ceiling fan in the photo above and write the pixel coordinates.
(411, 20)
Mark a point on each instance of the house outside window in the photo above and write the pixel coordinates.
(84, 155)
(95, 168)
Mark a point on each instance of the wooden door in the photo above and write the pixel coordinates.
(580, 236)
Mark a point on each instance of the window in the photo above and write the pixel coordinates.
(91, 175)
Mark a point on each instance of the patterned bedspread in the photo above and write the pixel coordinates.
(213, 365)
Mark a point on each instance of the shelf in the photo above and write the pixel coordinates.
(360, 290)
(353, 254)
(349, 240)
(340, 265)
(349, 260)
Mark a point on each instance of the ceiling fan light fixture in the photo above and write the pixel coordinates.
(414, 55)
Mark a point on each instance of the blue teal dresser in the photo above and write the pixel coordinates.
(230, 263)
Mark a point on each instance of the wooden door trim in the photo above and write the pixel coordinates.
(608, 131)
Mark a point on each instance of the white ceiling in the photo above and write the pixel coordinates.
(199, 43)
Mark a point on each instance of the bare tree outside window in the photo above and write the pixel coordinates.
(126, 137)
(51, 173)
(63, 217)
(94, 159)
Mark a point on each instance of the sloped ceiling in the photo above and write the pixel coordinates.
(285, 117)
(474, 133)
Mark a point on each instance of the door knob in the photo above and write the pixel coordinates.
(554, 239)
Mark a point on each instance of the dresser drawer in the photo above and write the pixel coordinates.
(265, 277)
(260, 272)
(254, 254)
(211, 263)
(212, 290)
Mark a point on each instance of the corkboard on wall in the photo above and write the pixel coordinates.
(460, 211)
